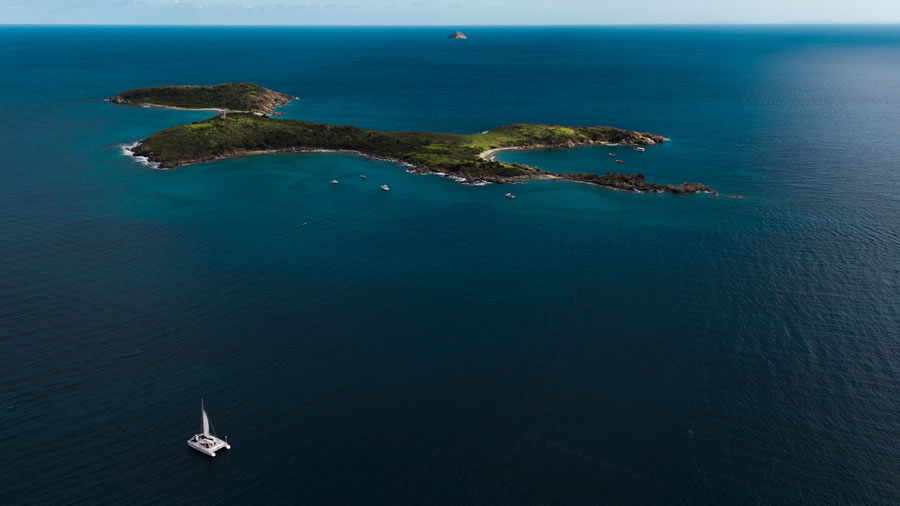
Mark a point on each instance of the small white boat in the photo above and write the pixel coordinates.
(619, 161)
(384, 187)
(639, 149)
(510, 196)
(362, 176)
(611, 154)
(334, 181)
(207, 442)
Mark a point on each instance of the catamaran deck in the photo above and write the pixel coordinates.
(207, 444)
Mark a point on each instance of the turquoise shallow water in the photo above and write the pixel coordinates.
(440, 344)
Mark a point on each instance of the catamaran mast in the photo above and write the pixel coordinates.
(205, 419)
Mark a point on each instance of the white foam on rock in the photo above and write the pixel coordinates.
(128, 150)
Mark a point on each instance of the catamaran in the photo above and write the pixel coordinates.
(207, 442)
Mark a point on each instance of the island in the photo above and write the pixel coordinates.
(457, 36)
(230, 97)
(465, 158)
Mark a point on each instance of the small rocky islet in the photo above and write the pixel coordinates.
(466, 158)
(457, 36)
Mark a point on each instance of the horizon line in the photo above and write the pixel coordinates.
(585, 25)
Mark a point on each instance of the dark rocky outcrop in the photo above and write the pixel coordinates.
(457, 36)
(636, 183)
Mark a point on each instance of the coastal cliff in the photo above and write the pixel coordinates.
(238, 97)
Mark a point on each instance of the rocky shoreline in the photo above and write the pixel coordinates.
(635, 183)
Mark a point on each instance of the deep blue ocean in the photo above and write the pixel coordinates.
(440, 344)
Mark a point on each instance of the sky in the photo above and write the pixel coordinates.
(445, 12)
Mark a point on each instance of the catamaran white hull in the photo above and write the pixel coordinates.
(207, 444)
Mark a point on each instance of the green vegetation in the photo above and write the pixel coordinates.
(458, 155)
(239, 133)
(231, 96)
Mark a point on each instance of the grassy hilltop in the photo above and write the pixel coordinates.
(247, 97)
